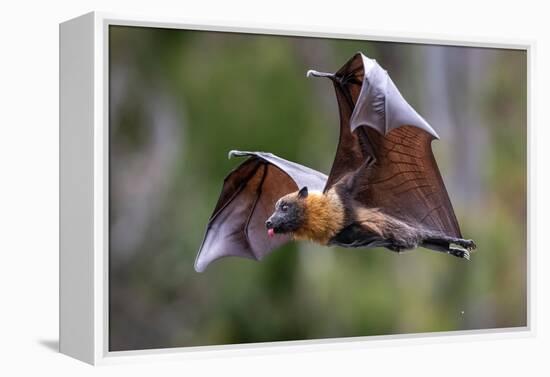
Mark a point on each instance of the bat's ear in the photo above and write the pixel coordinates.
(302, 194)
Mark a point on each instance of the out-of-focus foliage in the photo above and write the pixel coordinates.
(180, 100)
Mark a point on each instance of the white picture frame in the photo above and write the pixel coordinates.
(84, 192)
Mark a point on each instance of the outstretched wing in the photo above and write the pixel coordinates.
(376, 121)
(406, 183)
(248, 197)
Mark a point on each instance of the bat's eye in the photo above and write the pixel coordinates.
(284, 207)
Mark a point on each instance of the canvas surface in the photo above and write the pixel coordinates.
(180, 100)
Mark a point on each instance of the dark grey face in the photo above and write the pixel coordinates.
(286, 218)
(289, 213)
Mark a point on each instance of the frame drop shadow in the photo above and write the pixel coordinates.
(51, 344)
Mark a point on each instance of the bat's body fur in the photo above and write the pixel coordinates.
(335, 218)
(324, 216)
(328, 218)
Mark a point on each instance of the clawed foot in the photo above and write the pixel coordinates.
(464, 251)
(460, 253)
(467, 244)
(445, 244)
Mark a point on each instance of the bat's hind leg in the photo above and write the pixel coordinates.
(445, 245)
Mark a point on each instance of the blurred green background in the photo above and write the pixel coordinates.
(180, 100)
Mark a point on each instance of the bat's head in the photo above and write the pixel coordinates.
(289, 215)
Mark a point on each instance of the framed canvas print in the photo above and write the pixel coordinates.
(376, 188)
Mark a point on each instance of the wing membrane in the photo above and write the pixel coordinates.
(376, 121)
(248, 197)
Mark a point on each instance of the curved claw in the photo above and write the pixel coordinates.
(235, 153)
(313, 73)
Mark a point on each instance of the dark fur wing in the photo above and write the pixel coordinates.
(248, 197)
(376, 121)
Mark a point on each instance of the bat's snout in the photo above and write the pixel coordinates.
(270, 228)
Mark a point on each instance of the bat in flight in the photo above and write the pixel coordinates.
(384, 188)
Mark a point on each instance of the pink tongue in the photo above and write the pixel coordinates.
(270, 232)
